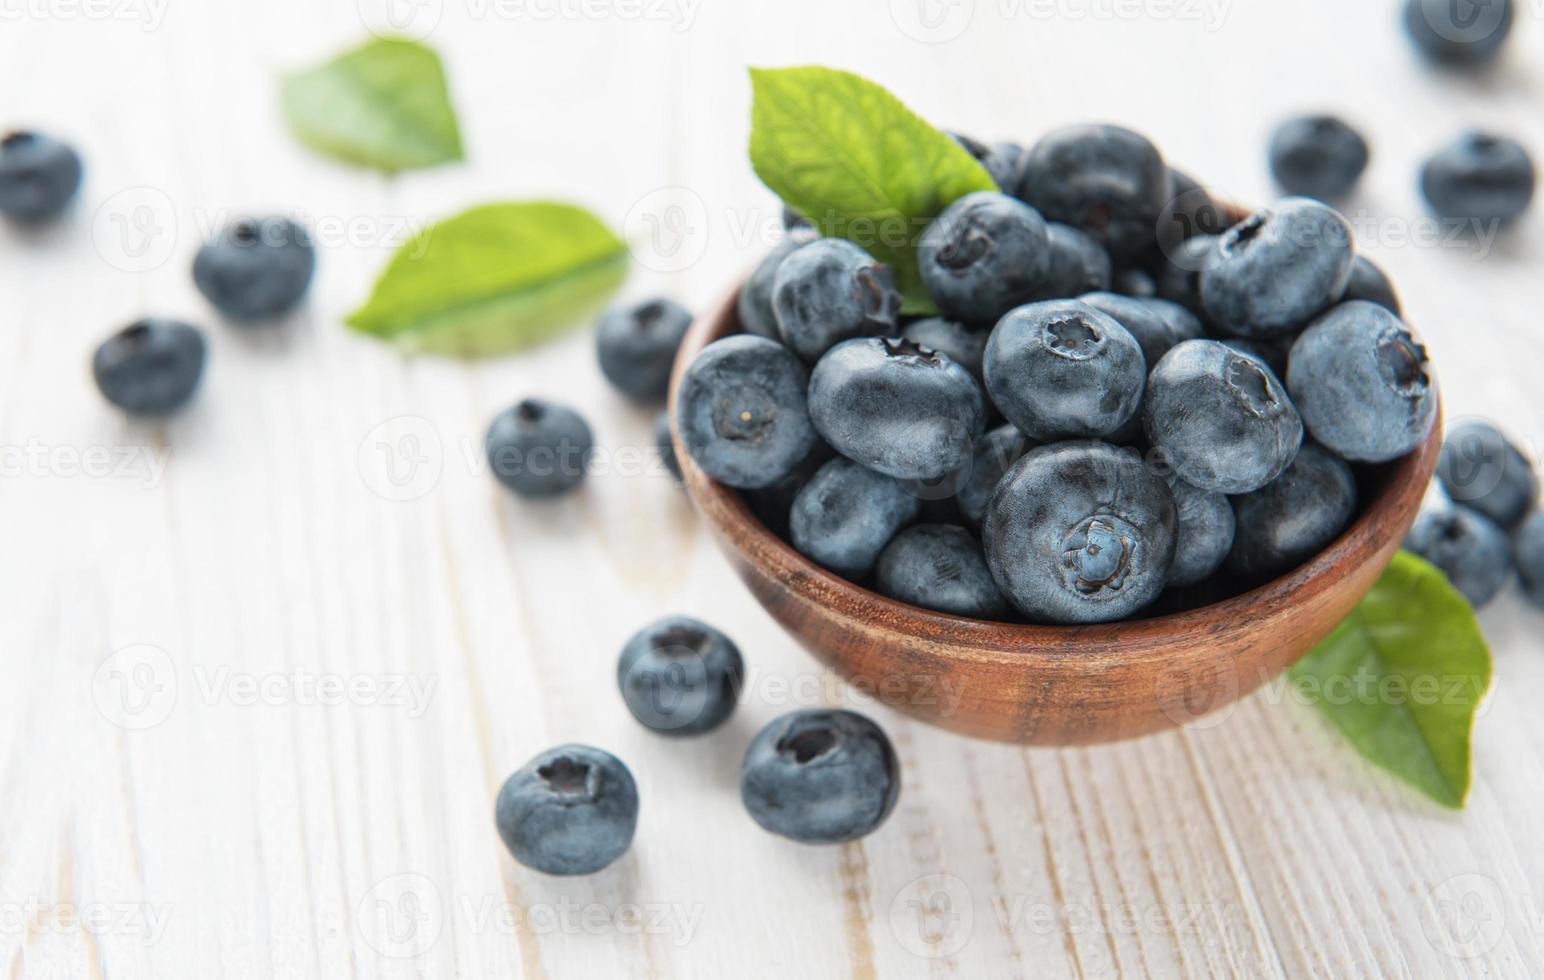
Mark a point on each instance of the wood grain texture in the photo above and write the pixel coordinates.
(274, 836)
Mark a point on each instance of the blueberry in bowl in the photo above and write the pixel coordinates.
(1132, 519)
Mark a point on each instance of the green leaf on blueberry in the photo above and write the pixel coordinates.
(1403, 676)
(857, 163)
(494, 279)
(383, 105)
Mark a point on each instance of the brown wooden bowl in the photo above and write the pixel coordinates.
(1054, 685)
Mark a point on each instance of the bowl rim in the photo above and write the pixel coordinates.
(1141, 640)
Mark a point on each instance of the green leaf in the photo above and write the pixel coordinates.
(848, 155)
(383, 105)
(494, 279)
(1402, 677)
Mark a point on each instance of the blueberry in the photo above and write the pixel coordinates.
(820, 776)
(1000, 160)
(151, 367)
(1482, 470)
(1471, 549)
(256, 268)
(897, 407)
(1459, 32)
(1134, 281)
(1481, 178)
(539, 449)
(793, 220)
(829, 291)
(1529, 547)
(1080, 532)
(754, 304)
(773, 504)
(995, 453)
(742, 413)
(1180, 270)
(1317, 156)
(1108, 181)
(1272, 350)
(1077, 265)
(940, 567)
(1368, 282)
(1189, 213)
(570, 811)
(666, 446)
(1221, 419)
(962, 343)
(985, 254)
(1293, 518)
(1278, 268)
(1206, 530)
(1157, 324)
(680, 676)
(1359, 379)
(1062, 369)
(637, 345)
(846, 514)
(38, 176)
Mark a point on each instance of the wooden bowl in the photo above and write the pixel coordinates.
(1054, 685)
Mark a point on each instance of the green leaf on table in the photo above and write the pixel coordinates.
(383, 105)
(1402, 677)
(848, 155)
(494, 279)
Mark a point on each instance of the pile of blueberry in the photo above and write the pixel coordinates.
(1481, 522)
(818, 776)
(1126, 397)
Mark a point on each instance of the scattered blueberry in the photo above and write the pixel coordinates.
(666, 445)
(256, 268)
(1529, 547)
(38, 176)
(1108, 181)
(829, 291)
(539, 449)
(940, 567)
(1157, 324)
(1459, 32)
(1481, 178)
(1062, 369)
(1080, 532)
(1369, 283)
(680, 676)
(1077, 264)
(637, 345)
(846, 514)
(1294, 517)
(962, 343)
(897, 407)
(1278, 268)
(1317, 156)
(570, 811)
(151, 367)
(995, 453)
(1482, 470)
(985, 254)
(1471, 549)
(820, 776)
(754, 304)
(1206, 528)
(1359, 379)
(742, 413)
(1221, 419)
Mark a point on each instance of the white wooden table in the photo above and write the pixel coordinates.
(323, 675)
